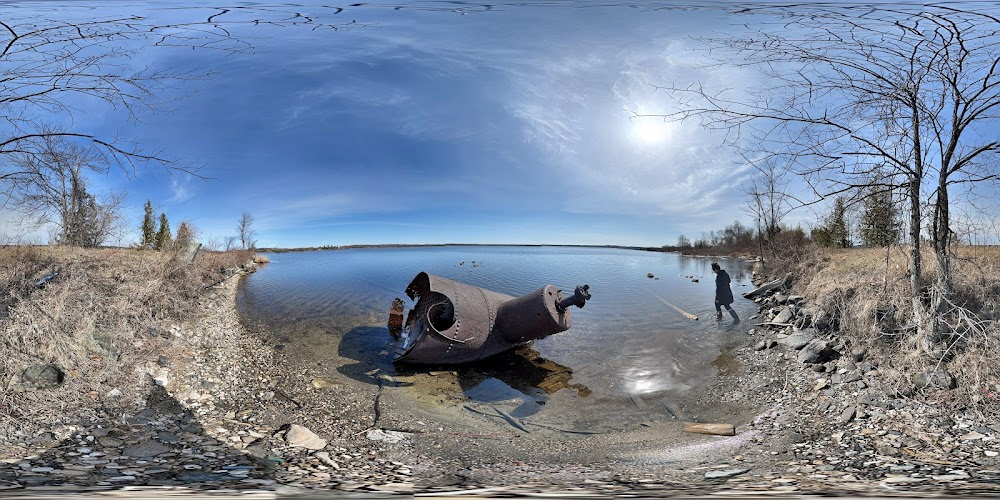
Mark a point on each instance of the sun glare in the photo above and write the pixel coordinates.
(650, 131)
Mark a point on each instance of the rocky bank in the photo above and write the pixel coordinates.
(227, 412)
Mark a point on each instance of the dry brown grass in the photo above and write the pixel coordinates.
(104, 320)
(869, 291)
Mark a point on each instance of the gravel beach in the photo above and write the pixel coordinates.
(227, 413)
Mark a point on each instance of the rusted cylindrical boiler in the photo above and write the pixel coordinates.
(454, 322)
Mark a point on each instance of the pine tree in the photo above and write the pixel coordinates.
(835, 232)
(163, 235)
(839, 230)
(148, 227)
(879, 219)
(183, 236)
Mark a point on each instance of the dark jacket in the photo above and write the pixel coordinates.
(723, 295)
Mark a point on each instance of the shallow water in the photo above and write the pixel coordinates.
(628, 355)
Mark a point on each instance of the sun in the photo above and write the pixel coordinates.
(650, 130)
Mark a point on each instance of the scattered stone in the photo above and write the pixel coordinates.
(858, 354)
(325, 458)
(37, 377)
(145, 449)
(784, 316)
(386, 436)
(848, 414)
(938, 379)
(324, 383)
(109, 441)
(816, 351)
(296, 435)
(799, 339)
(725, 473)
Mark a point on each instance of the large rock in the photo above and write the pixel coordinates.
(145, 449)
(387, 436)
(822, 320)
(296, 435)
(41, 377)
(816, 351)
(939, 379)
(725, 473)
(799, 339)
(785, 315)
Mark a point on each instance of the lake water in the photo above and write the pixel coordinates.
(626, 349)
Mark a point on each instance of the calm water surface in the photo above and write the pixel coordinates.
(626, 350)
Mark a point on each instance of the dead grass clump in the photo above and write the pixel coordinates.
(103, 321)
(792, 254)
(869, 292)
(261, 259)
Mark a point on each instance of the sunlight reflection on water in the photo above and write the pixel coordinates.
(625, 344)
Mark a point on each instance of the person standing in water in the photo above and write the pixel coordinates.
(723, 294)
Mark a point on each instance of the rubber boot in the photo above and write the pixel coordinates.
(732, 312)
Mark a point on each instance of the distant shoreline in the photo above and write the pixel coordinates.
(688, 252)
(414, 245)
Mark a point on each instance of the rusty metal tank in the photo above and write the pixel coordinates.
(454, 322)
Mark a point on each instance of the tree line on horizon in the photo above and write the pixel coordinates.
(874, 222)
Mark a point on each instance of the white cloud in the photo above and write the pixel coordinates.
(180, 190)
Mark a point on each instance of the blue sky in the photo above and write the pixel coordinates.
(425, 125)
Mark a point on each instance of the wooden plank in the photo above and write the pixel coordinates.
(716, 429)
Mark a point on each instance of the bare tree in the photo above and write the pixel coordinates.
(51, 57)
(52, 188)
(246, 232)
(848, 89)
(768, 199)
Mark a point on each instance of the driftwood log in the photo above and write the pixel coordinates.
(768, 287)
(716, 429)
(684, 313)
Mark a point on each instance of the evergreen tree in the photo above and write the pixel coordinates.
(183, 236)
(148, 227)
(163, 235)
(879, 219)
(836, 231)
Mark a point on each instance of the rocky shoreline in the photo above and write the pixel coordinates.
(838, 426)
(228, 413)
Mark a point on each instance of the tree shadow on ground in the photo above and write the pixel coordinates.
(161, 445)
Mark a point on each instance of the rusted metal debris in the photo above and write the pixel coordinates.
(396, 317)
(454, 323)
